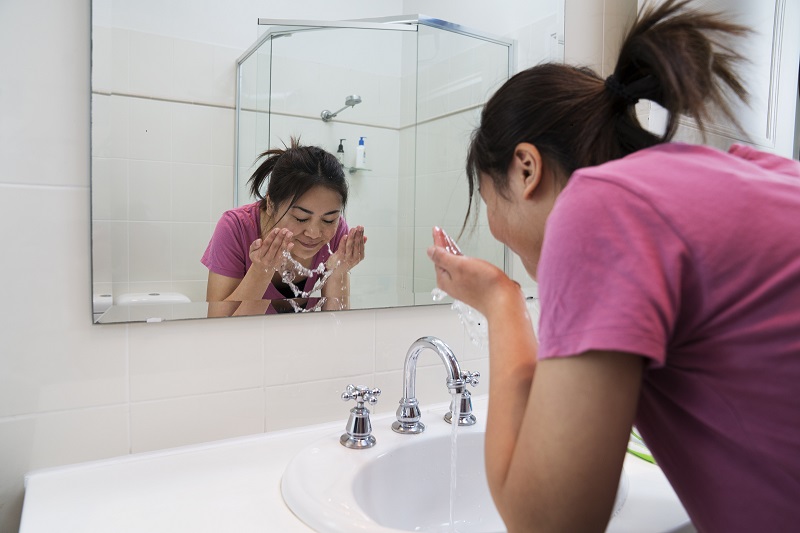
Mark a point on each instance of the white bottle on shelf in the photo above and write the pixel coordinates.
(361, 154)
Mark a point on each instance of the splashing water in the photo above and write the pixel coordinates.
(291, 268)
(474, 322)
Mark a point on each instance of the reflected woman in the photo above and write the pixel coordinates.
(301, 213)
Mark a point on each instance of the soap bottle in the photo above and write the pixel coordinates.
(340, 152)
(361, 154)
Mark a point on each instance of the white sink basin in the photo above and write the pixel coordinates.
(403, 484)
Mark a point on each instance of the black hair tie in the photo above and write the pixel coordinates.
(618, 89)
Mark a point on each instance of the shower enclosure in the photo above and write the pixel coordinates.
(413, 88)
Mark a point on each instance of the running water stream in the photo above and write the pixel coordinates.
(456, 410)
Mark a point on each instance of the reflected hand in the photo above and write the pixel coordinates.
(350, 251)
(473, 281)
(267, 253)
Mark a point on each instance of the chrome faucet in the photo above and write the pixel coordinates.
(408, 414)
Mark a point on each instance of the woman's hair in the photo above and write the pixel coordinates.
(292, 172)
(671, 55)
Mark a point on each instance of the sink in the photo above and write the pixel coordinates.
(425, 488)
(403, 484)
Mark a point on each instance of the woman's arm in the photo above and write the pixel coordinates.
(229, 296)
(557, 430)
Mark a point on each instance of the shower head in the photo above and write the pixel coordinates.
(350, 101)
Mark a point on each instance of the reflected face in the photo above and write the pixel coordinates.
(313, 220)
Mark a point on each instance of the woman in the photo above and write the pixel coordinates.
(302, 214)
(669, 284)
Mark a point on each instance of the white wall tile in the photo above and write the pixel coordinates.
(150, 248)
(192, 71)
(149, 191)
(207, 357)
(342, 344)
(150, 130)
(191, 192)
(53, 439)
(189, 241)
(179, 421)
(151, 63)
(191, 133)
(51, 293)
(321, 401)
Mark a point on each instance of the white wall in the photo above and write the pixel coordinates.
(71, 391)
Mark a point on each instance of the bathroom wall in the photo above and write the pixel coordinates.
(71, 391)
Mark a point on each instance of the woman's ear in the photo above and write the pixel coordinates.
(526, 168)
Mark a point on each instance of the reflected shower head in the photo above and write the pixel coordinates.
(350, 101)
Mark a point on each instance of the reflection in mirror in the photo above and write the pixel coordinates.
(165, 165)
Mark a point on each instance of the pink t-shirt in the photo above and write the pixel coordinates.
(228, 251)
(690, 257)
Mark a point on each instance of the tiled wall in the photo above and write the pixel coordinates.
(72, 391)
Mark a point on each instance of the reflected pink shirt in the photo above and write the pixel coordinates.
(690, 257)
(228, 251)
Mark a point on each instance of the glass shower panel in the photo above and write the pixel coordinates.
(456, 75)
(253, 116)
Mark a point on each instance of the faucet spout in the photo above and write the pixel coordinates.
(408, 414)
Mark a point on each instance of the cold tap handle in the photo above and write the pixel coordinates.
(471, 377)
(361, 394)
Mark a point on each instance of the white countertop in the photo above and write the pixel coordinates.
(230, 485)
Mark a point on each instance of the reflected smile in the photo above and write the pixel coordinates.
(308, 245)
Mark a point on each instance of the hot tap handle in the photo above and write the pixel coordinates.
(361, 393)
(471, 377)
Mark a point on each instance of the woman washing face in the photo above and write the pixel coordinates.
(669, 285)
(301, 214)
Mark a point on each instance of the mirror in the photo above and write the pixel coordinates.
(173, 146)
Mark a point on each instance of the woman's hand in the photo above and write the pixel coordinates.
(473, 281)
(267, 253)
(350, 251)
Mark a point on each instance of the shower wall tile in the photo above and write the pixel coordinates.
(179, 421)
(215, 356)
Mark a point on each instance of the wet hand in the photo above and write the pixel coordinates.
(267, 253)
(350, 251)
(473, 281)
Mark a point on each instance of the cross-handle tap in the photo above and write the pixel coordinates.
(408, 414)
(358, 433)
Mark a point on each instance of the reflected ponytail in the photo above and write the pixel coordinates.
(292, 171)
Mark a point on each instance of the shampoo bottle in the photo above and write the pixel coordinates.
(361, 154)
(340, 152)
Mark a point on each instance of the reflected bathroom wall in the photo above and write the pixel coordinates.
(421, 93)
(163, 153)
